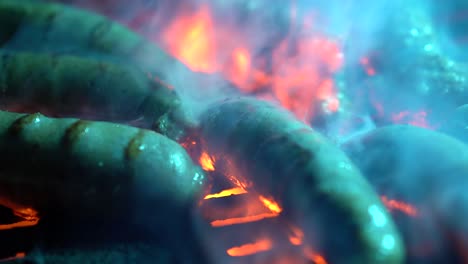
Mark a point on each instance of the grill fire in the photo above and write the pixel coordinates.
(250, 207)
(233, 132)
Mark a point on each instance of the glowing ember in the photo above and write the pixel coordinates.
(18, 255)
(242, 220)
(296, 237)
(253, 212)
(25, 223)
(26, 213)
(414, 119)
(316, 258)
(250, 249)
(224, 193)
(188, 145)
(238, 182)
(30, 216)
(207, 162)
(400, 206)
(270, 204)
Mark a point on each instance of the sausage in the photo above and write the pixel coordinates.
(428, 170)
(75, 86)
(38, 26)
(71, 164)
(316, 184)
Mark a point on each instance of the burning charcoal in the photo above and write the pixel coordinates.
(98, 172)
(422, 176)
(234, 235)
(316, 185)
(260, 47)
(248, 228)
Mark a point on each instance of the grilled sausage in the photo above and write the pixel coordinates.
(317, 185)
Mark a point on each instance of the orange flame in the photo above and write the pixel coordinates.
(29, 215)
(242, 220)
(207, 162)
(253, 212)
(297, 73)
(190, 37)
(250, 249)
(270, 204)
(298, 78)
(400, 206)
(224, 193)
(240, 68)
